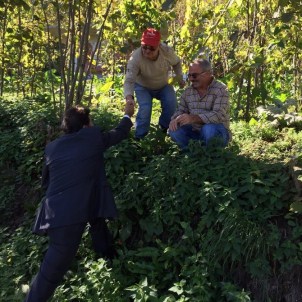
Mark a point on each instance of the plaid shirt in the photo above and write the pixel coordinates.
(213, 107)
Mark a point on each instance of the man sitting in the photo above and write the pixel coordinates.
(203, 111)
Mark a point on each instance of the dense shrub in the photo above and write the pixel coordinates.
(26, 126)
(208, 225)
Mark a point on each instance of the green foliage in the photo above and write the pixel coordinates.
(233, 294)
(19, 261)
(255, 47)
(94, 281)
(25, 125)
(208, 225)
(25, 128)
(143, 292)
(231, 209)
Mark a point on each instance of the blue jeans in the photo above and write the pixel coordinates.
(207, 133)
(144, 96)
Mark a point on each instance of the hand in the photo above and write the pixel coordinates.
(181, 83)
(129, 108)
(132, 102)
(184, 119)
(129, 98)
(173, 125)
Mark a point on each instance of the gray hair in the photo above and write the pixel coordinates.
(204, 64)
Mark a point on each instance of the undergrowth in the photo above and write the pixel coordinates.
(209, 225)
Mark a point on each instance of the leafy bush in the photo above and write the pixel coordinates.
(20, 255)
(27, 126)
(209, 225)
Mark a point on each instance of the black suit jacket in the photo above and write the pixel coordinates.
(74, 175)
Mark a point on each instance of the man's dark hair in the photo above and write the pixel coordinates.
(75, 118)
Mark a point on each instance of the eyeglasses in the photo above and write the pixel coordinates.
(151, 48)
(195, 75)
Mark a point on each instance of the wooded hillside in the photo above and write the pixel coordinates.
(211, 225)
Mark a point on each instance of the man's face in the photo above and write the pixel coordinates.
(150, 52)
(197, 76)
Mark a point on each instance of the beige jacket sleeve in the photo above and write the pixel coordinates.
(132, 72)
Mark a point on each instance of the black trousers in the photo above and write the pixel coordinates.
(63, 245)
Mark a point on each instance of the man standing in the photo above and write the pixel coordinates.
(147, 74)
(77, 192)
(203, 111)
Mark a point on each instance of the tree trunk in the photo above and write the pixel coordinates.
(2, 69)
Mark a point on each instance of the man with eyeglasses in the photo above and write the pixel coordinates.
(147, 75)
(203, 110)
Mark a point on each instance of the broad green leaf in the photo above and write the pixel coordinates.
(287, 17)
(125, 231)
(107, 86)
(281, 44)
(277, 30)
(259, 59)
(296, 207)
(283, 3)
(253, 122)
(148, 252)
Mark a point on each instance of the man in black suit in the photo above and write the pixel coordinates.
(77, 193)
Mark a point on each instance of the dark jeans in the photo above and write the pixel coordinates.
(63, 245)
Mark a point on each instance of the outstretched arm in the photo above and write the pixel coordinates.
(122, 130)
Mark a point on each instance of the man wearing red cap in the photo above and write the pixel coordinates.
(147, 74)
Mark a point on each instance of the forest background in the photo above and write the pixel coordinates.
(215, 225)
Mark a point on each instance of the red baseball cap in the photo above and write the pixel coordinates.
(151, 37)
